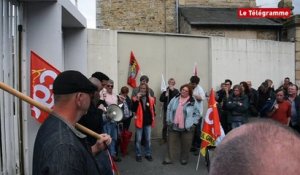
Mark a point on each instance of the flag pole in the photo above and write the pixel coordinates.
(44, 108)
(197, 166)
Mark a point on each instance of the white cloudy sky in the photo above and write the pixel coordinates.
(88, 8)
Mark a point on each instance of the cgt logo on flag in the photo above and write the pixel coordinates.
(212, 131)
(42, 77)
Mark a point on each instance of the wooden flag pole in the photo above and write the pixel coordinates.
(44, 108)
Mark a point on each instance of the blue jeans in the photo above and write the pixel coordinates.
(237, 121)
(111, 129)
(138, 147)
(236, 124)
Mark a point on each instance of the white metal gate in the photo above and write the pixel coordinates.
(9, 105)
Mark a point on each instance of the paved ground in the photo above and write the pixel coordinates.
(128, 165)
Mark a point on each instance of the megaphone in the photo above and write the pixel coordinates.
(114, 113)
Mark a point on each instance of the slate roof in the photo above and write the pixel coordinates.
(222, 16)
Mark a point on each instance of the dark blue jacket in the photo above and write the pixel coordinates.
(61, 149)
(237, 106)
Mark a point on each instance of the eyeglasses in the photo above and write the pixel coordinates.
(110, 86)
(227, 84)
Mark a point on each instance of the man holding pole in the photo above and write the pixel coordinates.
(60, 148)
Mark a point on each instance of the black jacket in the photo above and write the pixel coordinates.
(166, 99)
(60, 149)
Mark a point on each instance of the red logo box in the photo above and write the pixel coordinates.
(264, 12)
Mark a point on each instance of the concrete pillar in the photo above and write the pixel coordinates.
(297, 49)
(292, 26)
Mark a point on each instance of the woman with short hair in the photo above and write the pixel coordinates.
(183, 114)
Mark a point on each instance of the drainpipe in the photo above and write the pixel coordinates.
(20, 29)
(177, 18)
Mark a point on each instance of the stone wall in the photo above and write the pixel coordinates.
(267, 34)
(184, 26)
(293, 34)
(297, 59)
(264, 34)
(137, 15)
(218, 3)
(151, 15)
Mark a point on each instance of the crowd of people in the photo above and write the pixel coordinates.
(242, 101)
(61, 149)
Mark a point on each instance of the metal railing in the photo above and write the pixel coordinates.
(9, 113)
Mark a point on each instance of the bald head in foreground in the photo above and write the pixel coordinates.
(262, 147)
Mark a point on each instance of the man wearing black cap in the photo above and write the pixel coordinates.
(59, 148)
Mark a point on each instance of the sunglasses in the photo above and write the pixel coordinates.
(110, 86)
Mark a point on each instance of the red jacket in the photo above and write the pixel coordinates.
(139, 112)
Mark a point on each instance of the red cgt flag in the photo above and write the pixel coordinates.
(41, 83)
(134, 68)
(212, 130)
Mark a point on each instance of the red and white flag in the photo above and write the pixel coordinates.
(195, 70)
(212, 130)
(42, 76)
(134, 68)
(114, 168)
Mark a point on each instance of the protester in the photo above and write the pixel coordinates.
(143, 106)
(183, 113)
(260, 147)
(285, 85)
(199, 95)
(101, 77)
(281, 109)
(252, 99)
(222, 95)
(266, 97)
(294, 99)
(110, 126)
(228, 84)
(60, 148)
(237, 106)
(126, 107)
(165, 98)
(143, 80)
(125, 134)
(93, 120)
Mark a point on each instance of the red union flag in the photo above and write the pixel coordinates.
(212, 130)
(41, 78)
(133, 71)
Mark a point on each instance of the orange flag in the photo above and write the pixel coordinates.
(212, 129)
(41, 81)
(134, 68)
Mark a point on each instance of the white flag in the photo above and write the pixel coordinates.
(195, 70)
(163, 86)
